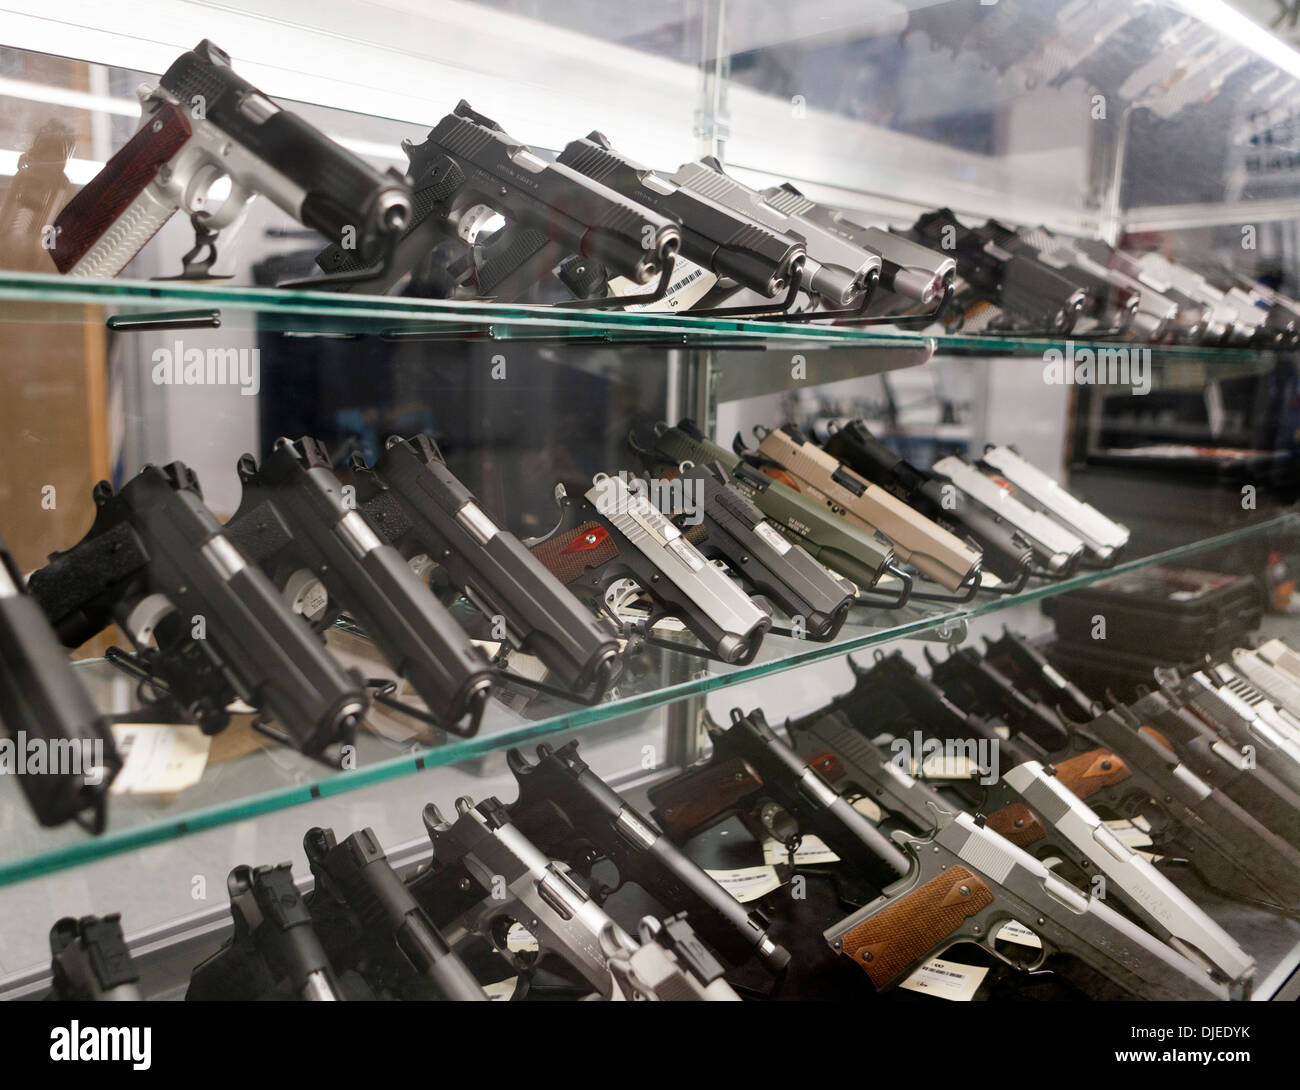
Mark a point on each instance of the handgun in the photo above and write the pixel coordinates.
(203, 122)
(1104, 537)
(486, 875)
(726, 526)
(715, 237)
(1281, 723)
(156, 562)
(1007, 552)
(759, 778)
(570, 813)
(1270, 743)
(274, 951)
(1016, 658)
(1276, 684)
(977, 687)
(89, 960)
(915, 272)
(469, 171)
(368, 920)
(1134, 775)
(1113, 300)
(1026, 289)
(1035, 809)
(1194, 320)
(899, 701)
(1225, 324)
(835, 270)
(419, 506)
(967, 881)
(1056, 548)
(928, 547)
(294, 523)
(1216, 761)
(41, 697)
(614, 542)
(860, 556)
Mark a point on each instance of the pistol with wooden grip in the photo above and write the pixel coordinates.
(156, 562)
(917, 540)
(572, 814)
(203, 122)
(1189, 818)
(967, 882)
(420, 507)
(41, 697)
(468, 172)
(758, 777)
(830, 540)
(727, 527)
(614, 543)
(1035, 808)
(294, 523)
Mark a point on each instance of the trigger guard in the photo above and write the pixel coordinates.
(230, 208)
(1033, 965)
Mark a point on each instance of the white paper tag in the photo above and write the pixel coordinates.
(1135, 834)
(520, 941)
(159, 758)
(947, 980)
(1014, 931)
(747, 883)
(811, 850)
(944, 766)
(502, 990)
(690, 284)
(868, 809)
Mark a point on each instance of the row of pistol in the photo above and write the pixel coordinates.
(479, 215)
(1209, 763)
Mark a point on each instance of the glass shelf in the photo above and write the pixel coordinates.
(43, 298)
(257, 779)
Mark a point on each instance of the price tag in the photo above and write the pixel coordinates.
(1014, 931)
(947, 980)
(159, 758)
(747, 883)
(811, 851)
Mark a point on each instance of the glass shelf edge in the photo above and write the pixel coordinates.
(98, 848)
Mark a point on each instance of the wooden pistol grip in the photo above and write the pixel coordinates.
(1018, 824)
(900, 935)
(570, 555)
(696, 798)
(1089, 772)
(110, 192)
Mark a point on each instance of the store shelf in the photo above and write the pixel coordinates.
(37, 297)
(271, 778)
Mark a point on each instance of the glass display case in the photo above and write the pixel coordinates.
(1143, 152)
